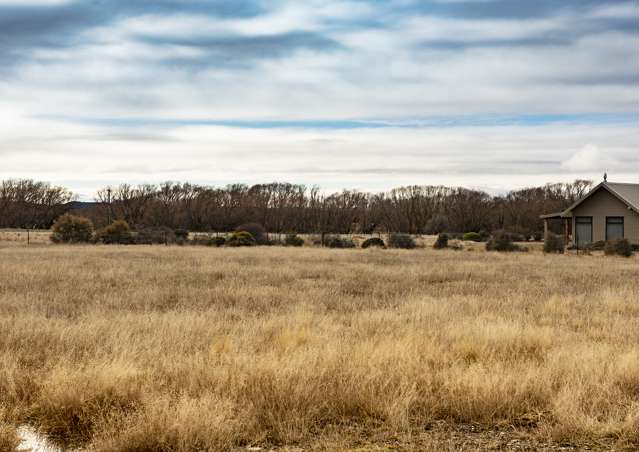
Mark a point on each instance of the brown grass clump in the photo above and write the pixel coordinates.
(8, 437)
(156, 348)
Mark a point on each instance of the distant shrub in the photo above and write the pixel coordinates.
(621, 247)
(402, 241)
(373, 242)
(293, 240)
(338, 242)
(441, 242)
(72, 229)
(554, 243)
(241, 238)
(472, 237)
(181, 236)
(217, 241)
(538, 236)
(256, 230)
(596, 246)
(117, 233)
(503, 242)
(207, 240)
(155, 236)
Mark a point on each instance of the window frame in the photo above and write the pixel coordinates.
(622, 223)
(590, 222)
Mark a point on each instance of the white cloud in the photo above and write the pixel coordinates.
(590, 159)
(88, 157)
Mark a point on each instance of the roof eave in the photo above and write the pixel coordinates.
(554, 215)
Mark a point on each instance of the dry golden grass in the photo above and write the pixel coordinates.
(168, 348)
(8, 437)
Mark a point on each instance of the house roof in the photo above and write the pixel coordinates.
(626, 193)
(629, 193)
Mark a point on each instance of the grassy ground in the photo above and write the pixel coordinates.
(169, 348)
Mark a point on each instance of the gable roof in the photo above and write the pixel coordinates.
(626, 193)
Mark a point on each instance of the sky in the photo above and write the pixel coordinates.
(357, 94)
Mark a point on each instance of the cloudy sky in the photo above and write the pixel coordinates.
(365, 94)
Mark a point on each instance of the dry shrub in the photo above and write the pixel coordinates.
(401, 241)
(554, 243)
(256, 230)
(338, 242)
(503, 242)
(621, 247)
(241, 239)
(373, 242)
(117, 233)
(441, 242)
(72, 229)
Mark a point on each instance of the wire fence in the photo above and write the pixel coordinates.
(24, 236)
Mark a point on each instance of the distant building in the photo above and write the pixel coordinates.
(609, 211)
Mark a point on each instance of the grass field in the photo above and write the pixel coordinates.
(170, 348)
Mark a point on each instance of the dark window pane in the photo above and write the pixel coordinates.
(614, 228)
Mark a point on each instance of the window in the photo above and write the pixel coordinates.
(583, 230)
(614, 228)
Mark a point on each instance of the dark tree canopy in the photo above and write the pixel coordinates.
(290, 208)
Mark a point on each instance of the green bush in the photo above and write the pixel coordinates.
(241, 238)
(441, 242)
(72, 229)
(554, 243)
(503, 242)
(293, 240)
(338, 242)
(472, 237)
(621, 247)
(117, 233)
(402, 241)
(256, 230)
(375, 242)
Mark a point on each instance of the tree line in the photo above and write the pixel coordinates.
(284, 207)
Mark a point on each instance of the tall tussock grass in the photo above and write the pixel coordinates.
(134, 349)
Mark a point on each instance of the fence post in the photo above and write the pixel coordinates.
(28, 238)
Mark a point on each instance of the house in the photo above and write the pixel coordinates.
(609, 211)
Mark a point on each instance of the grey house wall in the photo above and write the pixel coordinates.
(601, 205)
